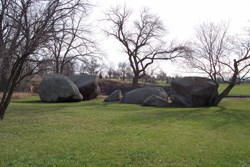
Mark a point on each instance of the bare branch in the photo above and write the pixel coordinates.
(141, 39)
(25, 28)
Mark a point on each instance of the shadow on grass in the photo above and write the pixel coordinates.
(35, 101)
(30, 101)
(214, 117)
(231, 117)
(36, 106)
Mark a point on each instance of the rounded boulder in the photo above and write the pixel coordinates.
(139, 95)
(87, 85)
(58, 88)
(115, 96)
(193, 91)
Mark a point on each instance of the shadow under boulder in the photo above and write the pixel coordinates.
(58, 88)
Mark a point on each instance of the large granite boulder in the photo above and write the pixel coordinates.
(193, 91)
(139, 95)
(156, 101)
(58, 88)
(87, 85)
(115, 96)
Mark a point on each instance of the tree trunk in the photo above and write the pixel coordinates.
(9, 89)
(223, 94)
(10, 86)
(4, 70)
(123, 76)
(226, 91)
(135, 81)
(3, 108)
(5, 101)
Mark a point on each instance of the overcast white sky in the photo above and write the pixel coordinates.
(180, 17)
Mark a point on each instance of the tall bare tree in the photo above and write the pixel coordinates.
(142, 39)
(25, 27)
(92, 66)
(162, 76)
(123, 67)
(72, 41)
(212, 46)
(221, 57)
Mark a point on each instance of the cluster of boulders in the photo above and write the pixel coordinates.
(58, 88)
(184, 92)
(147, 96)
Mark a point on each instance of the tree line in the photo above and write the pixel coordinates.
(37, 37)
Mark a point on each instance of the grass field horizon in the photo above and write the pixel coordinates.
(93, 133)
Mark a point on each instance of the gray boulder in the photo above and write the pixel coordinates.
(58, 88)
(87, 85)
(193, 91)
(156, 101)
(115, 96)
(139, 95)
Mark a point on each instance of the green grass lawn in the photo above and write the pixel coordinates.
(242, 89)
(101, 134)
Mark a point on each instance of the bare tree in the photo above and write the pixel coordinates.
(149, 75)
(93, 66)
(220, 56)
(25, 27)
(122, 67)
(141, 39)
(162, 76)
(211, 47)
(110, 70)
(129, 73)
(71, 42)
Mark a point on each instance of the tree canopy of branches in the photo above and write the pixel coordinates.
(25, 27)
(142, 39)
(162, 76)
(92, 66)
(123, 67)
(220, 56)
(72, 41)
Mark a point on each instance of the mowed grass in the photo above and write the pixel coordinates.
(94, 133)
(242, 89)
